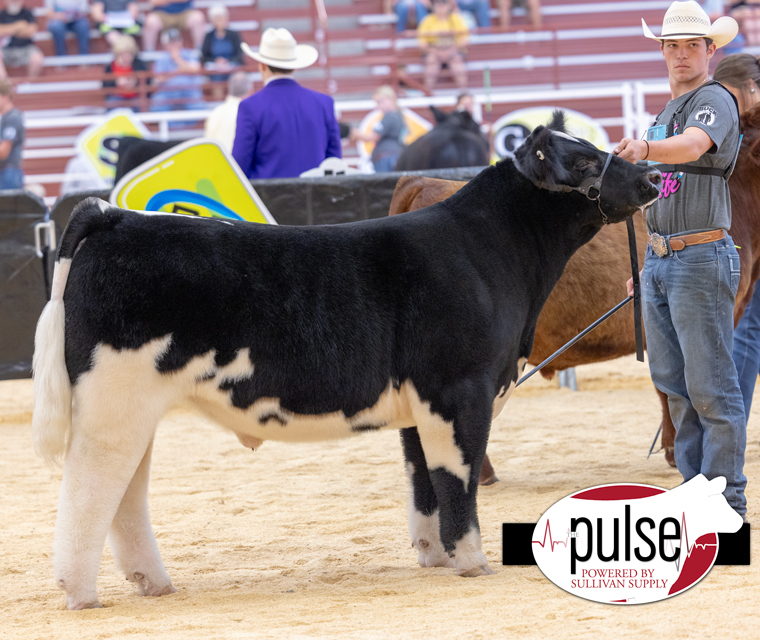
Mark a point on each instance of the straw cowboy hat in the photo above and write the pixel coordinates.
(686, 20)
(278, 49)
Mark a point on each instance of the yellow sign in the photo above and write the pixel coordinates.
(191, 178)
(416, 126)
(100, 142)
(511, 130)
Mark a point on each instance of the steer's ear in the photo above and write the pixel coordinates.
(557, 122)
(540, 157)
(440, 116)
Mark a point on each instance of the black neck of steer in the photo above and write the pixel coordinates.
(529, 232)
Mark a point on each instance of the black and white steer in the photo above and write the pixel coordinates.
(420, 322)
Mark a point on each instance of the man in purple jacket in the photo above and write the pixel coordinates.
(284, 129)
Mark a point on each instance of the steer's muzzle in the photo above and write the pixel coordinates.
(650, 184)
(653, 177)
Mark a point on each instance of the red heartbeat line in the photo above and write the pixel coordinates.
(548, 531)
(685, 535)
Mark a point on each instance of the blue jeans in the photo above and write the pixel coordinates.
(688, 304)
(385, 164)
(402, 11)
(747, 349)
(11, 178)
(479, 8)
(80, 27)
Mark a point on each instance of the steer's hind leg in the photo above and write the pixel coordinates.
(423, 505)
(110, 436)
(132, 540)
(453, 430)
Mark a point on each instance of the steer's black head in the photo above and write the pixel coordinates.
(457, 119)
(553, 160)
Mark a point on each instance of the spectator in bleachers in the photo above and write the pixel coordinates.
(11, 139)
(173, 15)
(177, 92)
(747, 14)
(284, 129)
(479, 8)
(17, 27)
(713, 8)
(222, 121)
(68, 15)
(402, 8)
(125, 63)
(221, 47)
(443, 37)
(533, 6)
(388, 134)
(465, 102)
(114, 17)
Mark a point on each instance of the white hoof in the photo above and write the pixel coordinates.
(77, 604)
(147, 587)
(468, 557)
(430, 553)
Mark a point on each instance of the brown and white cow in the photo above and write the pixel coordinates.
(594, 280)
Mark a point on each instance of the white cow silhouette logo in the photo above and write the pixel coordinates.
(631, 543)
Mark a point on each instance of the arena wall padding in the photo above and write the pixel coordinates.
(22, 283)
(307, 201)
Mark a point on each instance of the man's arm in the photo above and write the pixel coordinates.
(20, 28)
(25, 29)
(5, 149)
(185, 65)
(334, 148)
(97, 12)
(244, 147)
(691, 145)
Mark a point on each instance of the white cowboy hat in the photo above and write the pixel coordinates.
(686, 20)
(278, 49)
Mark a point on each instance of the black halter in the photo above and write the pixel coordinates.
(589, 185)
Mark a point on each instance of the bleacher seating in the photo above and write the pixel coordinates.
(581, 42)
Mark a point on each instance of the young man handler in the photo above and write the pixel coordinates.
(691, 272)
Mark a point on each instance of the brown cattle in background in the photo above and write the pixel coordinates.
(594, 279)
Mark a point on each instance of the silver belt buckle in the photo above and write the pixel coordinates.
(659, 244)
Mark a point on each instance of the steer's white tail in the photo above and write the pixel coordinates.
(51, 420)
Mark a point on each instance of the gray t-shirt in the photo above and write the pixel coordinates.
(12, 128)
(691, 202)
(392, 130)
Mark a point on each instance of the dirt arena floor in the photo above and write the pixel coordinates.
(310, 541)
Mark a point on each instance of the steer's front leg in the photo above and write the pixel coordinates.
(423, 505)
(453, 430)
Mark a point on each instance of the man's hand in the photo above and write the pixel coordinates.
(631, 150)
(629, 284)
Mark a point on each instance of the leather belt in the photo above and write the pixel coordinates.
(665, 245)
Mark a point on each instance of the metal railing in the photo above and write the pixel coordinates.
(633, 116)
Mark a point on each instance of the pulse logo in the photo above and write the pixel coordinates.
(633, 543)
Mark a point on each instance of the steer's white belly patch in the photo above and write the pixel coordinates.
(266, 419)
(200, 379)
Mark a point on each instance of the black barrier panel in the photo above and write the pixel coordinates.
(308, 201)
(517, 545)
(63, 207)
(336, 199)
(22, 286)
